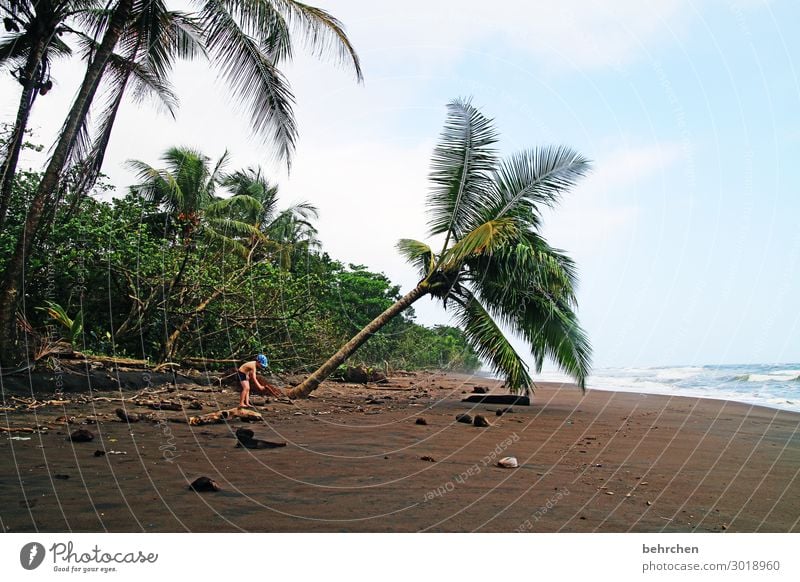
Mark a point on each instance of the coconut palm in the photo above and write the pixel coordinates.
(494, 271)
(288, 230)
(245, 42)
(32, 41)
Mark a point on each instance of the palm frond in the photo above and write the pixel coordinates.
(489, 341)
(321, 32)
(417, 254)
(252, 77)
(486, 239)
(461, 167)
(537, 177)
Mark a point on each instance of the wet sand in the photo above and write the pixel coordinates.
(357, 461)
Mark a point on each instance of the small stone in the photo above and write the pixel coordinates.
(465, 418)
(204, 484)
(479, 390)
(427, 458)
(724, 526)
(61, 476)
(421, 421)
(81, 436)
(649, 503)
(99, 453)
(480, 421)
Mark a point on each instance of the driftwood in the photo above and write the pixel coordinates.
(19, 429)
(220, 416)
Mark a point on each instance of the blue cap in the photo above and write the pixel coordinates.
(262, 359)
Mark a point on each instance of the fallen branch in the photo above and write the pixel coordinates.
(242, 414)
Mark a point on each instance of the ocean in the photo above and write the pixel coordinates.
(772, 385)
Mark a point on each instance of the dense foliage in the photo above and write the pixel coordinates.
(142, 277)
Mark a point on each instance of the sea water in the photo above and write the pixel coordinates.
(773, 385)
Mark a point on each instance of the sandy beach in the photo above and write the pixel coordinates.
(358, 459)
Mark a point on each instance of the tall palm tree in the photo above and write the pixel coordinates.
(494, 269)
(33, 28)
(245, 42)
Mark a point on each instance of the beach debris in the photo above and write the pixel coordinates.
(465, 418)
(61, 476)
(18, 429)
(66, 419)
(204, 484)
(427, 458)
(649, 503)
(162, 405)
(508, 463)
(245, 438)
(99, 453)
(19, 438)
(361, 375)
(116, 452)
(127, 416)
(421, 421)
(81, 436)
(480, 390)
(502, 411)
(480, 421)
(221, 416)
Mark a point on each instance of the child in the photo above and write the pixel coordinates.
(246, 373)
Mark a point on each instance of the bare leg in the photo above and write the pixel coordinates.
(244, 399)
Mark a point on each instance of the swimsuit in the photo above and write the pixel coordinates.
(241, 375)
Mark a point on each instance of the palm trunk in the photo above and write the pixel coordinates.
(313, 381)
(52, 175)
(26, 100)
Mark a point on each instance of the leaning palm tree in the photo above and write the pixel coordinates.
(494, 270)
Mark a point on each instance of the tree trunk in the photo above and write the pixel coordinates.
(29, 92)
(313, 381)
(50, 179)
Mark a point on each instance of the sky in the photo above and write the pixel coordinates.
(685, 232)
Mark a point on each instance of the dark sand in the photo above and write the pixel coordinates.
(606, 461)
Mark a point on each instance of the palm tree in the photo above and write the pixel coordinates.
(494, 270)
(186, 189)
(32, 42)
(287, 231)
(245, 43)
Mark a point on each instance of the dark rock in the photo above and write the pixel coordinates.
(479, 420)
(244, 434)
(509, 399)
(127, 416)
(465, 418)
(81, 436)
(362, 375)
(204, 484)
(61, 476)
(479, 390)
(99, 453)
(195, 405)
(246, 440)
(421, 421)
(427, 458)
